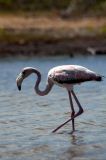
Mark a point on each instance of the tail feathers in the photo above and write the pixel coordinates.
(99, 78)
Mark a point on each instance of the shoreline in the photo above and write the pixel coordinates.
(33, 36)
(70, 47)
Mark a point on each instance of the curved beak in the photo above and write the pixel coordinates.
(19, 88)
(19, 81)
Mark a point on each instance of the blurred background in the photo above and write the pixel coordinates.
(44, 34)
(52, 27)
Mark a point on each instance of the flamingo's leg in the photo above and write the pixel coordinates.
(73, 111)
(76, 115)
(78, 103)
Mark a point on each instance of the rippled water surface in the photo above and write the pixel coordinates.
(26, 119)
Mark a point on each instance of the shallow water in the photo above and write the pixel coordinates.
(26, 119)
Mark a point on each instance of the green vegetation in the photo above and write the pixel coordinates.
(27, 37)
(20, 37)
(32, 5)
(73, 6)
(103, 30)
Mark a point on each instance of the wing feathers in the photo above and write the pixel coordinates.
(72, 77)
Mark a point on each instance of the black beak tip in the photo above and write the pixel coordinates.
(19, 88)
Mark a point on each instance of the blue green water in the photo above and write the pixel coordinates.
(26, 119)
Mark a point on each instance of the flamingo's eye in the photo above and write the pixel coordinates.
(23, 73)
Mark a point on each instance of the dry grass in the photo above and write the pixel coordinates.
(19, 22)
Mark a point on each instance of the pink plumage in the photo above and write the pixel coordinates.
(64, 76)
(72, 74)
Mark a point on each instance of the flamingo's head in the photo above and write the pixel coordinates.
(23, 74)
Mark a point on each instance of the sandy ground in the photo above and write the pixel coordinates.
(21, 22)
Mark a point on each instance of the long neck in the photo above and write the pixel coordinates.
(48, 88)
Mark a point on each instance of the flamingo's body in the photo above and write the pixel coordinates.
(65, 76)
(69, 75)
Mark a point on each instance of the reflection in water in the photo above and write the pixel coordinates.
(76, 140)
(26, 119)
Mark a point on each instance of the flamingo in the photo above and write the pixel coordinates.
(64, 76)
